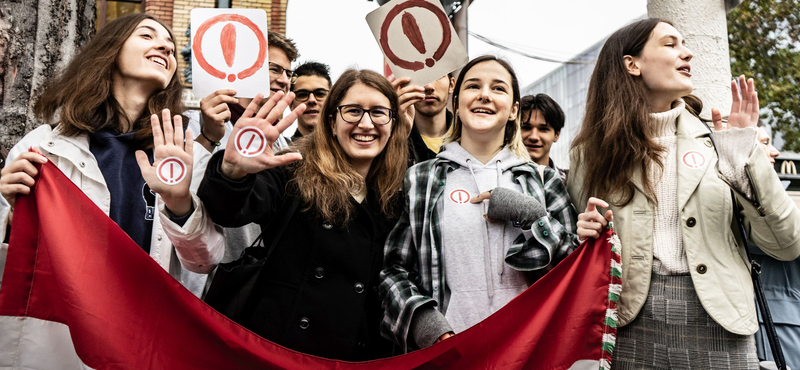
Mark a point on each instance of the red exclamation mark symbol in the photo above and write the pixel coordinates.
(411, 30)
(171, 174)
(227, 40)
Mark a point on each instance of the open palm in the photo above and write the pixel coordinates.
(169, 143)
(268, 121)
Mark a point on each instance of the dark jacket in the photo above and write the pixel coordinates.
(417, 150)
(320, 283)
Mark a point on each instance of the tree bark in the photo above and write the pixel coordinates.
(37, 39)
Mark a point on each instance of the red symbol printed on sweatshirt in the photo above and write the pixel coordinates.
(171, 170)
(694, 159)
(250, 141)
(459, 196)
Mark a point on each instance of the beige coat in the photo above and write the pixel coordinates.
(715, 255)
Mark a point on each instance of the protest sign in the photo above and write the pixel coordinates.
(229, 51)
(417, 39)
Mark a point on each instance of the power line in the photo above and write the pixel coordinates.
(515, 51)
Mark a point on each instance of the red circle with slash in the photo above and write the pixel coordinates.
(171, 170)
(250, 141)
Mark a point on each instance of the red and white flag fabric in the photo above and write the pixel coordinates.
(69, 263)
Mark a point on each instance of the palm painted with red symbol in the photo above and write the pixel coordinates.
(235, 164)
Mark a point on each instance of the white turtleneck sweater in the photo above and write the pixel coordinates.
(669, 254)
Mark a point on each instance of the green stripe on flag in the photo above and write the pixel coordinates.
(616, 272)
(608, 347)
(611, 322)
(614, 297)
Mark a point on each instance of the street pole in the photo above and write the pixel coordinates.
(703, 24)
(461, 25)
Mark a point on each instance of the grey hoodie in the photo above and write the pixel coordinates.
(474, 248)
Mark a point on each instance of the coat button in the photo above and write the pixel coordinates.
(304, 323)
(707, 142)
(701, 268)
(327, 225)
(82, 165)
(691, 222)
(158, 237)
(50, 143)
(545, 233)
(319, 272)
(359, 288)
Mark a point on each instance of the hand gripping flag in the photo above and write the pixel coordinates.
(69, 263)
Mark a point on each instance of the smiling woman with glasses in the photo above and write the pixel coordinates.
(318, 290)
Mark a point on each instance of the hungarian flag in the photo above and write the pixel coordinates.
(69, 263)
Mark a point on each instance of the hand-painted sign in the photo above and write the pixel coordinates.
(229, 51)
(417, 39)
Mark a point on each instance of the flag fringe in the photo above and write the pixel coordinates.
(614, 291)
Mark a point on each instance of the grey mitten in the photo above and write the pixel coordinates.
(509, 205)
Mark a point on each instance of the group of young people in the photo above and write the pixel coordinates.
(378, 258)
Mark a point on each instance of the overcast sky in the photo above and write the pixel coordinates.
(336, 32)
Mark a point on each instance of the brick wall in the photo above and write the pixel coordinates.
(162, 9)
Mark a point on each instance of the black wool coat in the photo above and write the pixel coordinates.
(318, 290)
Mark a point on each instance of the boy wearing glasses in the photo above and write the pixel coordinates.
(311, 84)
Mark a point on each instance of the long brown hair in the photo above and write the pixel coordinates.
(325, 177)
(80, 98)
(615, 137)
(513, 133)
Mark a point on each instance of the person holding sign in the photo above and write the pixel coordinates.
(221, 109)
(340, 193)
(479, 225)
(644, 159)
(102, 129)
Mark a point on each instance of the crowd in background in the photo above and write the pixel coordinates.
(396, 221)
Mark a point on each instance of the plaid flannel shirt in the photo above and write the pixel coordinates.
(413, 273)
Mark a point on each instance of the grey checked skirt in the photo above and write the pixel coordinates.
(673, 331)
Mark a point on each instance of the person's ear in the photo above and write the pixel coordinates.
(631, 66)
(452, 86)
(555, 138)
(512, 116)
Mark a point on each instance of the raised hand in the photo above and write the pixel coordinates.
(169, 143)
(18, 176)
(591, 222)
(267, 119)
(216, 112)
(408, 95)
(744, 109)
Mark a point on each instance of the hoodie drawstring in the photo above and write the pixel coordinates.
(487, 257)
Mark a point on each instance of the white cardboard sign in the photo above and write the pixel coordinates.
(417, 39)
(229, 51)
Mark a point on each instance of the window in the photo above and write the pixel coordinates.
(109, 10)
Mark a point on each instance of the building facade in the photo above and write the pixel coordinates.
(567, 86)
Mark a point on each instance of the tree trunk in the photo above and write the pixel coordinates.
(37, 39)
